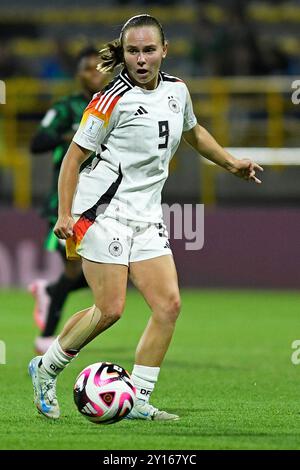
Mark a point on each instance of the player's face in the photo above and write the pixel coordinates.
(143, 54)
(90, 79)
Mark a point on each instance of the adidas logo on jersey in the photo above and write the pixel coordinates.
(141, 110)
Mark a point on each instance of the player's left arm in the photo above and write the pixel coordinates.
(204, 143)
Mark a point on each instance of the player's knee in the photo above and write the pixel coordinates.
(170, 308)
(113, 309)
(174, 307)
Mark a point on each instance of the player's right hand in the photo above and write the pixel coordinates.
(64, 227)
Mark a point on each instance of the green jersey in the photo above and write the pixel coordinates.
(62, 119)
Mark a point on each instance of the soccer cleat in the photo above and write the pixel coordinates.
(42, 344)
(44, 390)
(143, 410)
(42, 302)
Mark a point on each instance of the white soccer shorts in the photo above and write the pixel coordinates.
(110, 240)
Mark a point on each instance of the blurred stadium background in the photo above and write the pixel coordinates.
(239, 59)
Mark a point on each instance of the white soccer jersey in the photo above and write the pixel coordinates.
(134, 132)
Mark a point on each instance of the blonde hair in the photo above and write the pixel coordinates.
(112, 54)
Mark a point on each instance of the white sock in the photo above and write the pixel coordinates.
(55, 359)
(144, 379)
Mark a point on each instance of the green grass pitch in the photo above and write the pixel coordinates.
(228, 374)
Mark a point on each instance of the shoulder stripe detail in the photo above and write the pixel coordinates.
(104, 102)
(125, 77)
(110, 84)
(105, 96)
(170, 78)
(120, 92)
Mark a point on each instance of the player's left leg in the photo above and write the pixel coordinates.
(156, 279)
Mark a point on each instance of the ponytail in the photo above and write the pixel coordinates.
(111, 56)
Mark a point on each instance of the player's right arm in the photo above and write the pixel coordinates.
(67, 183)
(94, 126)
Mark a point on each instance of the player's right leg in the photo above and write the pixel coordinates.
(70, 280)
(108, 283)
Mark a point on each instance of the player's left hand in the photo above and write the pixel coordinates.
(246, 169)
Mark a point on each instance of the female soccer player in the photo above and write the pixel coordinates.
(134, 125)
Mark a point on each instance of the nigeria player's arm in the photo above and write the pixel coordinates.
(42, 142)
(55, 128)
(204, 143)
(67, 183)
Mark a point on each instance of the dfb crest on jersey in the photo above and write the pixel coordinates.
(115, 248)
(173, 104)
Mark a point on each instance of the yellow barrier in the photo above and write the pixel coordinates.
(260, 12)
(98, 15)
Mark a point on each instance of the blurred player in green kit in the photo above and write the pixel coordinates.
(55, 134)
